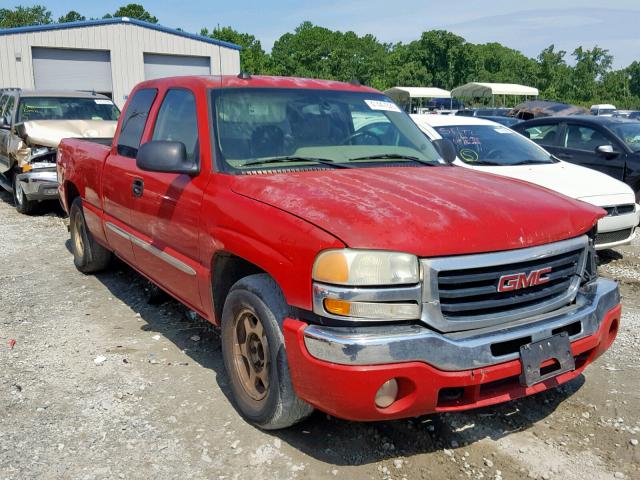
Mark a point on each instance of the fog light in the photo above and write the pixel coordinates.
(387, 393)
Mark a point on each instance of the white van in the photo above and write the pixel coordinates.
(603, 110)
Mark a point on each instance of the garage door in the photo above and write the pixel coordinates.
(58, 68)
(158, 66)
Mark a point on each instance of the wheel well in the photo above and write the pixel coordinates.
(71, 193)
(227, 270)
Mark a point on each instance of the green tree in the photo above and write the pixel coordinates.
(24, 16)
(253, 58)
(591, 66)
(133, 10)
(71, 16)
(317, 52)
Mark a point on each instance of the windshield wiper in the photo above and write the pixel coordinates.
(531, 162)
(294, 158)
(395, 156)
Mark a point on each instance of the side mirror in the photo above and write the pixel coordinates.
(165, 156)
(606, 151)
(446, 149)
(3, 122)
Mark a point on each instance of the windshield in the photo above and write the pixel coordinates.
(629, 133)
(255, 128)
(493, 145)
(66, 108)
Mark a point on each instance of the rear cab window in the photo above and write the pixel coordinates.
(134, 121)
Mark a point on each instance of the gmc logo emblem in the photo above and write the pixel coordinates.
(516, 281)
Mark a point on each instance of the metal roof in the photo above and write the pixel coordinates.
(404, 93)
(110, 21)
(478, 89)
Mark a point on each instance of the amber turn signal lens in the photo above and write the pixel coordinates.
(337, 306)
(332, 267)
(27, 168)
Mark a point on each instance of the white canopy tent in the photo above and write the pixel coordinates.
(479, 89)
(405, 96)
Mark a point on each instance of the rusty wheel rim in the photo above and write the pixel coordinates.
(251, 354)
(77, 236)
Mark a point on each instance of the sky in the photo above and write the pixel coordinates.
(525, 26)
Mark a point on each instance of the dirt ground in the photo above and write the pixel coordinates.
(100, 384)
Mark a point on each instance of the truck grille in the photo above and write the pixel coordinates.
(462, 292)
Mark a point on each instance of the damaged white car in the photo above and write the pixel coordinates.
(32, 123)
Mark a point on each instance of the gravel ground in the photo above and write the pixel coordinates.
(100, 384)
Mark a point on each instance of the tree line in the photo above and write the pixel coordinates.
(438, 58)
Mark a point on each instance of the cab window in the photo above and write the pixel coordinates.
(177, 121)
(134, 120)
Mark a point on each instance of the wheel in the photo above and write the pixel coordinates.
(22, 203)
(254, 354)
(88, 255)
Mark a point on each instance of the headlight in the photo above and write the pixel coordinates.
(366, 268)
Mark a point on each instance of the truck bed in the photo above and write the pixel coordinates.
(83, 158)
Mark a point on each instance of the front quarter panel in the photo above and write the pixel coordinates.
(276, 241)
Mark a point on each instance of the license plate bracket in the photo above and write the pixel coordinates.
(533, 355)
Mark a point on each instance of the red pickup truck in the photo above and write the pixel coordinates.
(350, 266)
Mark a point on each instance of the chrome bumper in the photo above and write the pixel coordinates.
(39, 184)
(374, 345)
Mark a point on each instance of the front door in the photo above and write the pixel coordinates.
(579, 145)
(166, 206)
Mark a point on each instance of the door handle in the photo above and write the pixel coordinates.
(137, 187)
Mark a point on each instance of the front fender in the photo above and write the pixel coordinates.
(282, 245)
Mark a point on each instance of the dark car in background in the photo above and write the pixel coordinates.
(444, 104)
(506, 121)
(484, 112)
(608, 144)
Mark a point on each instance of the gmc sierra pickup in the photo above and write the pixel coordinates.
(350, 267)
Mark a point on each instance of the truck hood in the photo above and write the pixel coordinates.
(571, 180)
(428, 211)
(48, 133)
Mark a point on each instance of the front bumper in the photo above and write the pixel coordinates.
(39, 184)
(339, 370)
(617, 230)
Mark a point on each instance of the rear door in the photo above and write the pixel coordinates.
(119, 173)
(166, 210)
(579, 143)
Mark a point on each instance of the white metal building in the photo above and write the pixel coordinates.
(108, 56)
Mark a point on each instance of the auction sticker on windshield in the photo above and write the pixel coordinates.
(382, 105)
(101, 101)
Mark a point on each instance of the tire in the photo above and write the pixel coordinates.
(88, 255)
(266, 398)
(22, 203)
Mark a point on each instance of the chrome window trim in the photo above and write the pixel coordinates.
(431, 267)
(171, 260)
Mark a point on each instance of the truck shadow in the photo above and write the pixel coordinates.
(327, 439)
(47, 208)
